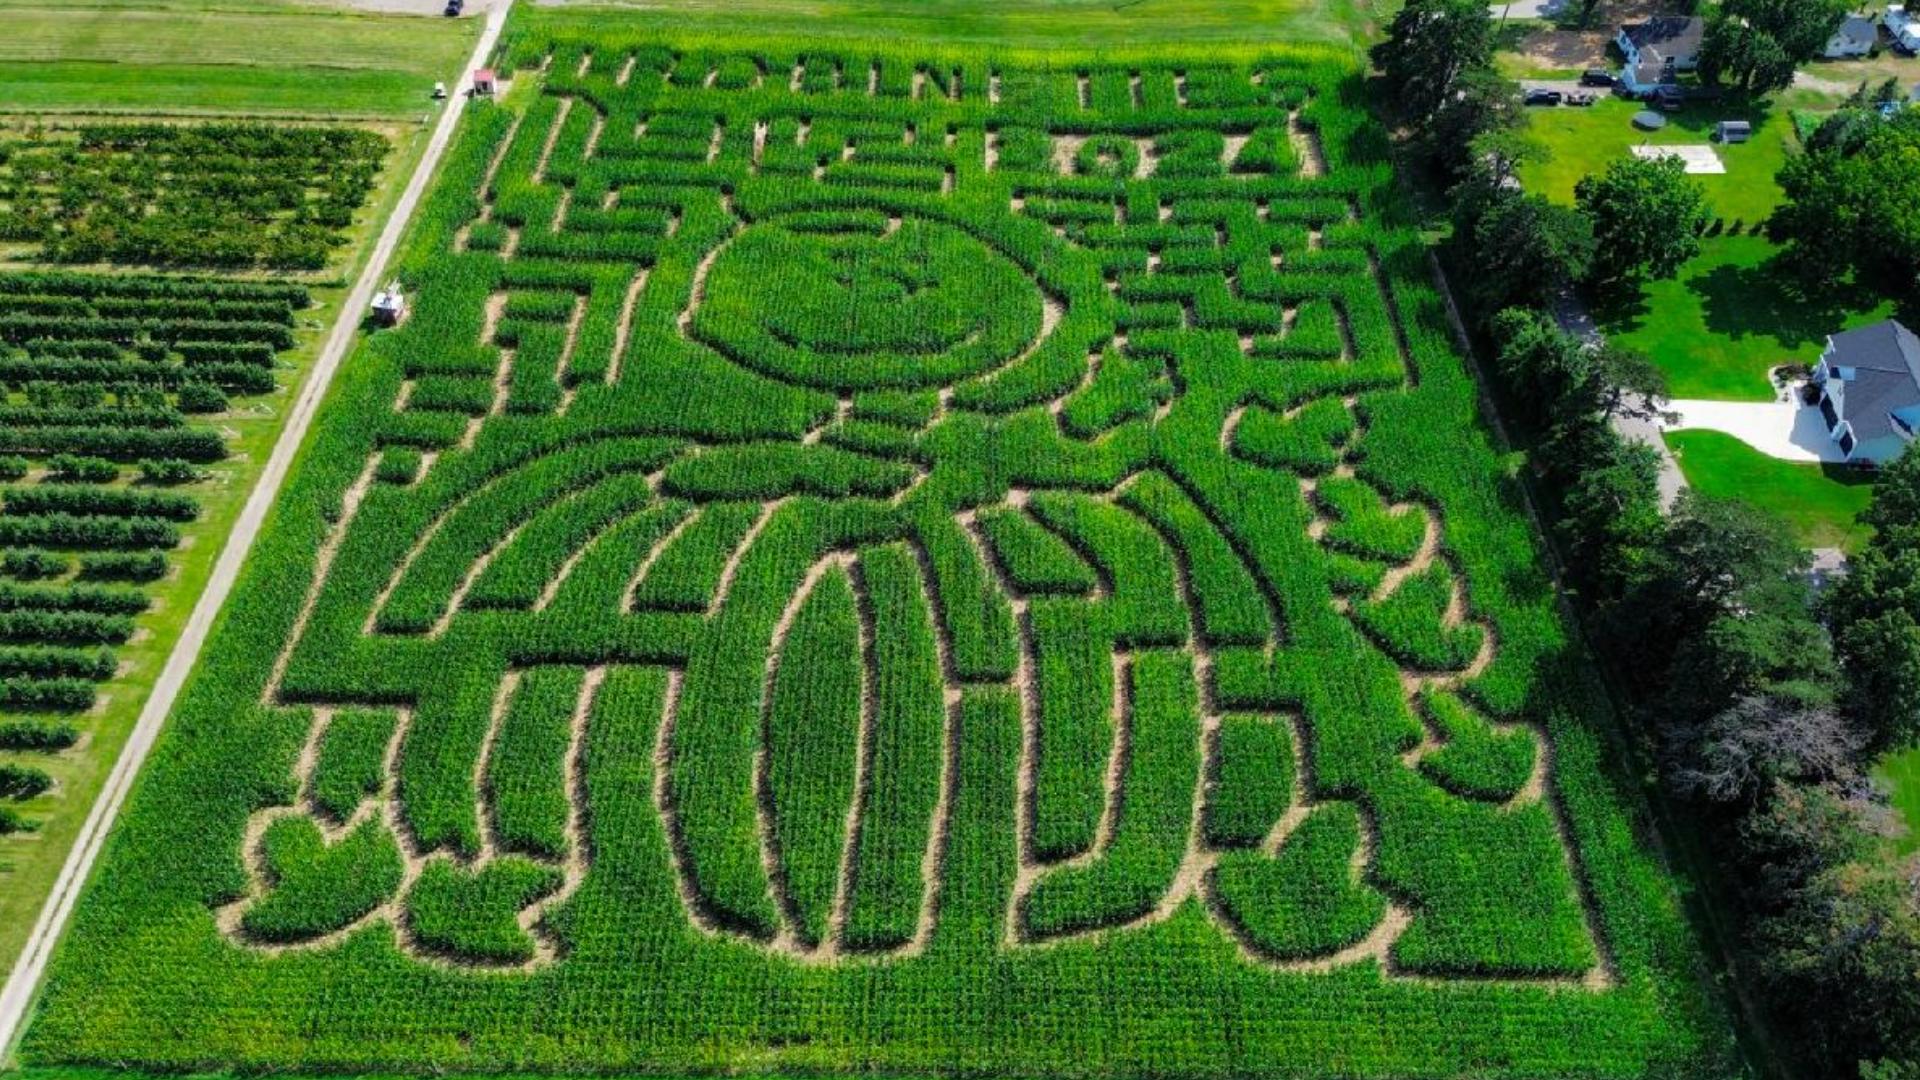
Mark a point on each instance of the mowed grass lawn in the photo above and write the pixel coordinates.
(1086, 24)
(1900, 773)
(1584, 141)
(284, 59)
(1732, 314)
(1819, 503)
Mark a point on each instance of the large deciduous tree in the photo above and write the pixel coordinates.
(1429, 46)
(1853, 204)
(1482, 104)
(1875, 610)
(1647, 218)
(1520, 248)
(1757, 44)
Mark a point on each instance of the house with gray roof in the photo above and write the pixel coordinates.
(1658, 50)
(1855, 37)
(1869, 385)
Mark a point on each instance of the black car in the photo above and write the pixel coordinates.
(1542, 97)
(454, 7)
(1596, 77)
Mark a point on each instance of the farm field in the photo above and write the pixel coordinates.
(221, 58)
(164, 194)
(952, 564)
(61, 365)
(1097, 24)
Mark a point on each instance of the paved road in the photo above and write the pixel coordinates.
(22, 985)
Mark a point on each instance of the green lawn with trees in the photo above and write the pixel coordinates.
(1730, 316)
(1579, 142)
(1735, 310)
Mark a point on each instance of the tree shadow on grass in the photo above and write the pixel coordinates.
(1743, 301)
(1621, 307)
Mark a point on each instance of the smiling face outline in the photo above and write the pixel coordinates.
(917, 304)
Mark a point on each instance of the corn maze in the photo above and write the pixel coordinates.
(902, 564)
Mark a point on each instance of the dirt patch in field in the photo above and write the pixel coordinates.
(1562, 49)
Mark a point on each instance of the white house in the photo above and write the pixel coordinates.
(1903, 27)
(1658, 50)
(1855, 37)
(1869, 383)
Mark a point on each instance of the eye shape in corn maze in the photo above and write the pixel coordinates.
(838, 526)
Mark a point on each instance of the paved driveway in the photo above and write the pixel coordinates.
(1787, 429)
(1527, 9)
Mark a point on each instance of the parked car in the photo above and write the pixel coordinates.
(454, 7)
(1668, 98)
(1542, 97)
(1596, 77)
(1580, 99)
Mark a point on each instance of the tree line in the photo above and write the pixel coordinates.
(1763, 701)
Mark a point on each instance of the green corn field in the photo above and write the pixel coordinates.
(869, 562)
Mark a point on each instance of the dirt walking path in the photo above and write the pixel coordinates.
(24, 981)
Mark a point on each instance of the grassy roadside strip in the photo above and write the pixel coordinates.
(1097, 25)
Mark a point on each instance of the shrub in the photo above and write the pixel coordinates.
(75, 468)
(22, 781)
(168, 471)
(202, 398)
(42, 738)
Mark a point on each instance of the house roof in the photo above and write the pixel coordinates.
(1858, 28)
(1885, 359)
(1673, 35)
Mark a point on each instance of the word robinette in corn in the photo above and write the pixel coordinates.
(889, 563)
